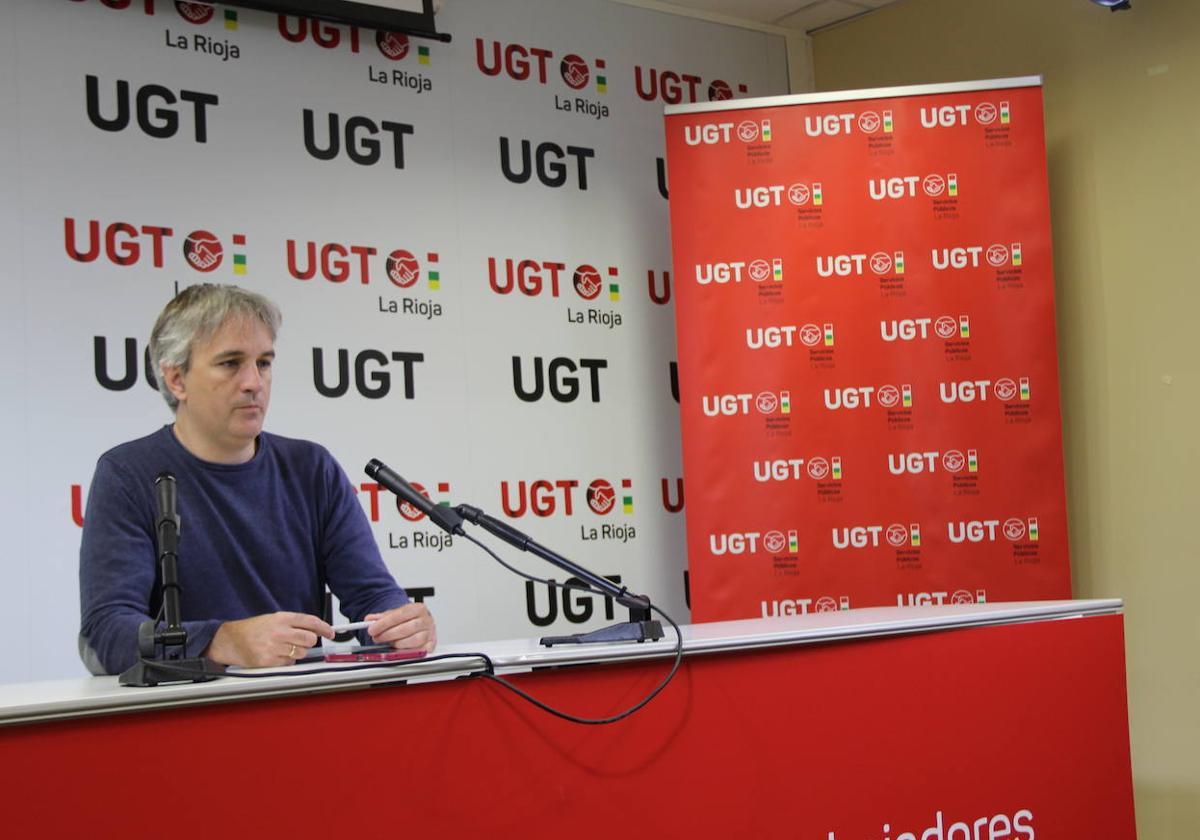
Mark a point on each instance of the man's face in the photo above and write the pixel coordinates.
(223, 397)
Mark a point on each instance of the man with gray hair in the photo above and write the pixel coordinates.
(268, 521)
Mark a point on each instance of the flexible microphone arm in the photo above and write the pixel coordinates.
(524, 542)
(641, 627)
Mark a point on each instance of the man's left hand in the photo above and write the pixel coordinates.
(409, 627)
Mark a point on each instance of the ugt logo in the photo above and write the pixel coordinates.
(547, 161)
(673, 87)
(372, 378)
(934, 185)
(1014, 529)
(559, 374)
(152, 105)
(125, 244)
(912, 329)
(949, 116)
(195, 13)
(711, 134)
(127, 377)
(546, 497)
(338, 263)
(577, 608)
(1004, 389)
(897, 535)
(521, 63)
(731, 271)
(887, 396)
(833, 125)
(532, 277)
(363, 144)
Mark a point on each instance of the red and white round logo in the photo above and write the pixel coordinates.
(574, 71)
(934, 185)
(601, 497)
(408, 511)
(945, 327)
(759, 270)
(818, 468)
(985, 113)
(962, 596)
(393, 45)
(881, 262)
(1005, 389)
(587, 282)
(403, 269)
(868, 121)
(810, 335)
(719, 90)
(195, 12)
(1014, 529)
(826, 604)
(953, 461)
(202, 250)
(888, 395)
(799, 194)
(766, 402)
(748, 131)
(897, 535)
(774, 541)
(997, 255)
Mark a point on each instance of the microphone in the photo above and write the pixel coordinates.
(445, 518)
(166, 528)
(173, 665)
(167, 524)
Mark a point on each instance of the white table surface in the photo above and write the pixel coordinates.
(81, 697)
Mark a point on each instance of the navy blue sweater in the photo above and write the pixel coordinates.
(254, 538)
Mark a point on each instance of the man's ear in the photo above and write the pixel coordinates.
(173, 378)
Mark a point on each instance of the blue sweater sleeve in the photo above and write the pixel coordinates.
(118, 579)
(354, 567)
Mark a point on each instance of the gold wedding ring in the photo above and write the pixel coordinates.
(292, 652)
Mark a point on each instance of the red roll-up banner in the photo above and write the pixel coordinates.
(868, 374)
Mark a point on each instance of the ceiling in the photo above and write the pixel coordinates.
(803, 15)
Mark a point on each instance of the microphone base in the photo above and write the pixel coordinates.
(151, 672)
(629, 631)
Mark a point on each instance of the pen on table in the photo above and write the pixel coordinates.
(354, 625)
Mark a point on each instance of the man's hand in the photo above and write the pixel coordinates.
(266, 640)
(409, 627)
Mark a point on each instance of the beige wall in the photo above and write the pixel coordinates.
(1122, 94)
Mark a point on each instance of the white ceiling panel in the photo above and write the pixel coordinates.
(822, 14)
(802, 15)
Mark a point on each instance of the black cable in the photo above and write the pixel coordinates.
(584, 588)
(614, 718)
(488, 674)
(490, 670)
(534, 578)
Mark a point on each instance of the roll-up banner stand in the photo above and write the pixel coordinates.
(868, 372)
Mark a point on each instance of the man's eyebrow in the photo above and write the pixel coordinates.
(234, 353)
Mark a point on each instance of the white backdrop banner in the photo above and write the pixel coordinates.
(469, 242)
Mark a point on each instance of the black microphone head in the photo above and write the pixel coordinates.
(372, 468)
(165, 475)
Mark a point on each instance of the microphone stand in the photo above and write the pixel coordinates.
(173, 666)
(640, 627)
